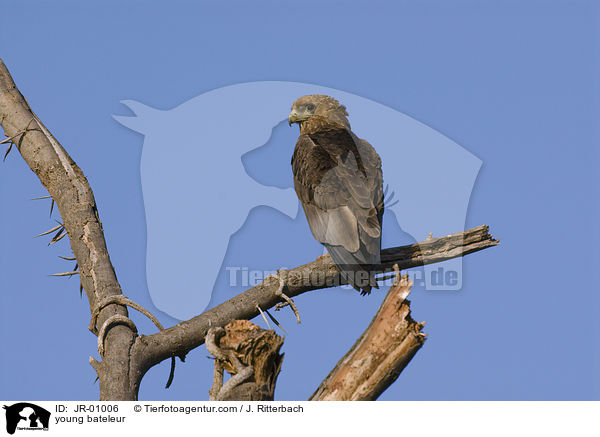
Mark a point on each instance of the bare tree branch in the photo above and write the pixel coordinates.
(322, 273)
(69, 188)
(127, 357)
(379, 355)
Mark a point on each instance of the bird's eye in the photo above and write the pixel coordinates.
(310, 107)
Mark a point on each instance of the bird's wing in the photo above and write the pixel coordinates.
(338, 180)
(372, 163)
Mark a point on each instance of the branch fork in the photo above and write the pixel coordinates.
(127, 356)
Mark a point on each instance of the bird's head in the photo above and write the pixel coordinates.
(328, 108)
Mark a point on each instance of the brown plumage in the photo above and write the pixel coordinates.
(338, 179)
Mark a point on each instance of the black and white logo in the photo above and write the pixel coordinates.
(26, 416)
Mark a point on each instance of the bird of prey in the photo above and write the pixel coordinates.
(338, 179)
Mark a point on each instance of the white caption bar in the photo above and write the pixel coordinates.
(464, 419)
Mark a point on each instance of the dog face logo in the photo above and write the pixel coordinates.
(26, 416)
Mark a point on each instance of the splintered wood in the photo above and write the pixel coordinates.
(379, 355)
(251, 355)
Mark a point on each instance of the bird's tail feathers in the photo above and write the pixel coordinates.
(354, 271)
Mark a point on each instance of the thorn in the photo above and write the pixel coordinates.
(43, 197)
(6, 140)
(66, 273)
(58, 236)
(51, 207)
(49, 231)
(7, 151)
(171, 372)
(60, 229)
(23, 136)
(67, 258)
(263, 316)
(275, 321)
(95, 364)
(75, 270)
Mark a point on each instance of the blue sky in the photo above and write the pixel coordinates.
(514, 83)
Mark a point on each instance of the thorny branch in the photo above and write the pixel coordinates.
(319, 274)
(127, 356)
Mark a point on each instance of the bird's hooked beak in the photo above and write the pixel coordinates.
(293, 117)
(298, 115)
